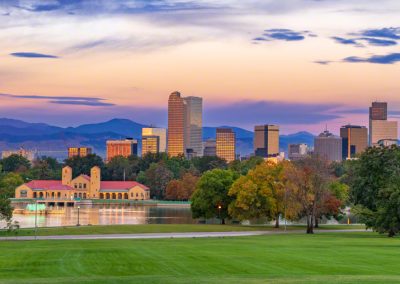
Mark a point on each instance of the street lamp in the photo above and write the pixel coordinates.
(35, 219)
(219, 213)
(78, 216)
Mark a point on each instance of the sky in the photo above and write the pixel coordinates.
(301, 64)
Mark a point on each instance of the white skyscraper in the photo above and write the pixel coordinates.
(161, 133)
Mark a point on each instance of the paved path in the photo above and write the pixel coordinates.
(172, 235)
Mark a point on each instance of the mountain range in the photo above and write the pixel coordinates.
(53, 140)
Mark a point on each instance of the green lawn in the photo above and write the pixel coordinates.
(295, 258)
(157, 228)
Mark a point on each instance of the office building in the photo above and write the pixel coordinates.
(209, 148)
(124, 148)
(354, 140)
(27, 154)
(193, 126)
(379, 127)
(297, 151)
(79, 151)
(226, 144)
(266, 140)
(328, 146)
(185, 125)
(176, 125)
(154, 140)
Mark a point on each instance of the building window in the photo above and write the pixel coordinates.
(80, 185)
(84, 185)
(137, 195)
(75, 185)
(131, 194)
(23, 193)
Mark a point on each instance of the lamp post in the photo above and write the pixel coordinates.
(35, 219)
(78, 216)
(219, 213)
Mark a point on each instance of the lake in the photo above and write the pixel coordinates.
(109, 214)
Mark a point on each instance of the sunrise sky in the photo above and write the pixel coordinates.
(301, 64)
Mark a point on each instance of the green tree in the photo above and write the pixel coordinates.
(374, 188)
(243, 167)
(207, 163)
(211, 197)
(15, 163)
(8, 183)
(83, 165)
(44, 168)
(121, 168)
(157, 177)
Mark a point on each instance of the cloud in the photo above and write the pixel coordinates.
(323, 62)
(284, 34)
(63, 100)
(390, 58)
(375, 37)
(391, 33)
(32, 55)
(346, 41)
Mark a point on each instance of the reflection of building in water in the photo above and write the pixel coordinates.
(83, 186)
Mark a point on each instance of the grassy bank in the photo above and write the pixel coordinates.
(157, 228)
(295, 258)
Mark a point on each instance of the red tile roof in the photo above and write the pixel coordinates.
(118, 185)
(48, 184)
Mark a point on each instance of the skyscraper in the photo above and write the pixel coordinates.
(297, 151)
(266, 140)
(226, 144)
(354, 140)
(125, 148)
(210, 148)
(194, 124)
(328, 146)
(176, 124)
(185, 125)
(154, 140)
(379, 127)
(79, 151)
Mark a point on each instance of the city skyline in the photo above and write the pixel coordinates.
(321, 61)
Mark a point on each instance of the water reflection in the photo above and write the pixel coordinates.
(108, 214)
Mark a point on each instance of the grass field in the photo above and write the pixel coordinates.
(157, 228)
(295, 258)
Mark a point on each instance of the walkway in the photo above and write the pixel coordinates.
(172, 235)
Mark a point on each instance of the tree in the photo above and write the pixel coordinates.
(83, 165)
(121, 168)
(8, 184)
(44, 168)
(374, 188)
(181, 189)
(262, 193)
(211, 196)
(207, 163)
(15, 163)
(157, 177)
(309, 185)
(243, 167)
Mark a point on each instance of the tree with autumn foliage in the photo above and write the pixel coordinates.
(181, 189)
(262, 193)
(310, 181)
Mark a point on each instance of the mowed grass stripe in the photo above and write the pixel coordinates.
(328, 257)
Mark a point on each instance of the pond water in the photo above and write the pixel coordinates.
(108, 214)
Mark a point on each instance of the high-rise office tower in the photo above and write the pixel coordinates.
(176, 124)
(210, 148)
(266, 140)
(328, 146)
(379, 127)
(125, 148)
(79, 151)
(226, 144)
(185, 125)
(194, 124)
(154, 140)
(297, 151)
(354, 140)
